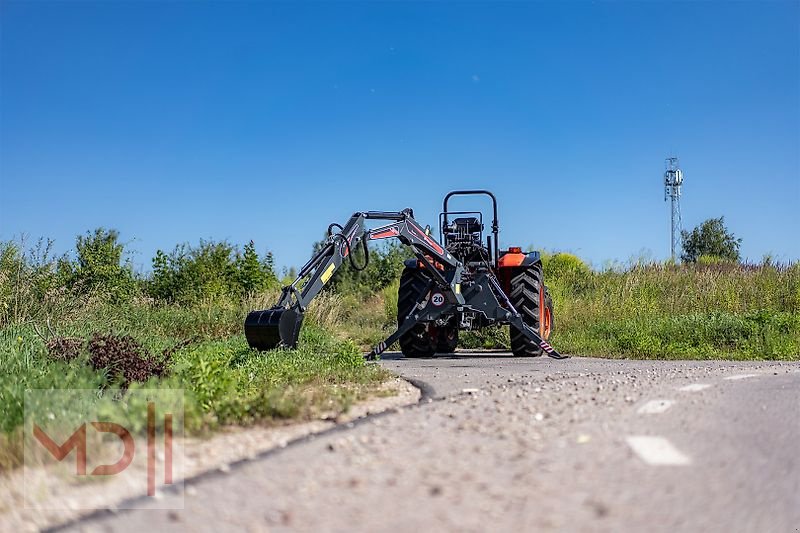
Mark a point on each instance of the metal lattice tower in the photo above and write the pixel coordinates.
(673, 179)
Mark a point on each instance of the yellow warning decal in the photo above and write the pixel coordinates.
(328, 273)
(458, 288)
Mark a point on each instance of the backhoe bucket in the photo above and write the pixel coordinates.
(272, 328)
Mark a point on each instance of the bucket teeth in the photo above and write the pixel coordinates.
(270, 328)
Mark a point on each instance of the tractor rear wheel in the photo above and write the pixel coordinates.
(418, 341)
(532, 299)
(447, 338)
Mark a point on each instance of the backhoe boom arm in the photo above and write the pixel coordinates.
(280, 325)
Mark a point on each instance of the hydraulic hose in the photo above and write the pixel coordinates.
(340, 236)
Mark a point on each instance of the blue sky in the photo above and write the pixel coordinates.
(176, 121)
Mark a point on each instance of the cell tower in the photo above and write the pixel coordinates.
(673, 179)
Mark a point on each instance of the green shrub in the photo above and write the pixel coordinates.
(99, 267)
(384, 267)
(566, 273)
(209, 271)
(711, 238)
(255, 275)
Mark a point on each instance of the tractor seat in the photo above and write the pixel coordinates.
(466, 225)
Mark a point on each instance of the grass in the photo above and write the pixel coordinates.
(755, 335)
(224, 381)
(724, 311)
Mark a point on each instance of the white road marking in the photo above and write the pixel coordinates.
(655, 407)
(657, 451)
(741, 376)
(694, 387)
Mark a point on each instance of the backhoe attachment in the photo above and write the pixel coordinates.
(280, 325)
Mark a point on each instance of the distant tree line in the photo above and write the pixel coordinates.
(99, 267)
(212, 270)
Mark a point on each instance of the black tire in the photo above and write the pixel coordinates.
(417, 342)
(525, 288)
(447, 339)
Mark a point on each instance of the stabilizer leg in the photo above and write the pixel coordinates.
(381, 347)
(529, 332)
(411, 320)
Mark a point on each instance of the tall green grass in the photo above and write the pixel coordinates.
(711, 309)
(718, 310)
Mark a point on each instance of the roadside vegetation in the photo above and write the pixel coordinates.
(709, 309)
(88, 320)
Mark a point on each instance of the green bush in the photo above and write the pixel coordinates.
(711, 238)
(567, 272)
(209, 271)
(100, 268)
(384, 267)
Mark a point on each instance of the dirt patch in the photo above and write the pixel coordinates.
(124, 356)
(65, 348)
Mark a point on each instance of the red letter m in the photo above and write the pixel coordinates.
(77, 440)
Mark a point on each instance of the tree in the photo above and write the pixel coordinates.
(255, 275)
(209, 271)
(711, 238)
(99, 266)
(384, 266)
(190, 274)
(165, 281)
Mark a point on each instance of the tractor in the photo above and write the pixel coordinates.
(461, 282)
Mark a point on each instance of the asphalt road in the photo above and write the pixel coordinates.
(510, 444)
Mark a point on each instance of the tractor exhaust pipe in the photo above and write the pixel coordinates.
(272, 328)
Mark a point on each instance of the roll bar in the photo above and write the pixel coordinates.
(495, 225)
